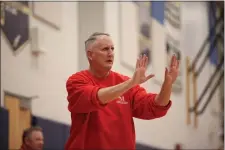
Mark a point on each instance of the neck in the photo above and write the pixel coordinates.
(98, 73)
(25, 147)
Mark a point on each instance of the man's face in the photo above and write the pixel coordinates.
(36, 140)
(101, 53)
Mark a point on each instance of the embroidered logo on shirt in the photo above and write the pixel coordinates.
(121, 100)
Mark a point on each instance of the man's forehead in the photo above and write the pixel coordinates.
(35, 133)
(104, 40)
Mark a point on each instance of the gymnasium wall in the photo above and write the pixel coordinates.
(46, 76)
(172, 129)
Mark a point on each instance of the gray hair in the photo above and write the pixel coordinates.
(27, 132)
(92, 38)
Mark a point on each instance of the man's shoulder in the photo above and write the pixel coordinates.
(78, 75)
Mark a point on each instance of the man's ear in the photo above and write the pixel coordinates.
(89, 55)
(26, 140)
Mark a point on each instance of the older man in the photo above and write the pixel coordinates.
(103, 103)
(32, 139)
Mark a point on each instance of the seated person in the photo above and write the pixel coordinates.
(32, 139)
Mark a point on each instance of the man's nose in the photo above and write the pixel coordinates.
(42, 143)
(110, 52)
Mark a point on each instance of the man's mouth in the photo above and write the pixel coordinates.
(109, 61)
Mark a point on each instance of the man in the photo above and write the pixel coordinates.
(103, 103)
(32, 139)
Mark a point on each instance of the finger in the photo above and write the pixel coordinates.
(146, 61)
(141, 61)
(137, 63)
(173, 61)
(149, 76)
(166, 71)
(178, 63)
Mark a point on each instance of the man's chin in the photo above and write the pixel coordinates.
(109, 66)
(39, 148)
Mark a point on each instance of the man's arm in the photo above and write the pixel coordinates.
(108, 94)
(150, 106)
(163, 98)
(145, 105)
(84, 97)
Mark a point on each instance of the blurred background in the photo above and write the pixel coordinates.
(42, 44)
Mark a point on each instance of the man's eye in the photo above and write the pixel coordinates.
(105, 49)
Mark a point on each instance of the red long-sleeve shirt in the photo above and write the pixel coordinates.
(110, 126)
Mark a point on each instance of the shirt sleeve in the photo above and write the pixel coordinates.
(82, 95)
(144, 106)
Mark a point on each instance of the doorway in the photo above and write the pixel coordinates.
(19, 118)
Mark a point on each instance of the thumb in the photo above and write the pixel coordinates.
(166, 71)
(149, 76)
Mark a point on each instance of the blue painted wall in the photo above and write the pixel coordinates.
(55, 133)
(4, 129)
(158, 11)
(212, 20)
(158, 14)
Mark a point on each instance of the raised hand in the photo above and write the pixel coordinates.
(172, 73)
(139, 76)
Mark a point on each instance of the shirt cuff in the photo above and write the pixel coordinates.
(162, 107)
(96, 100)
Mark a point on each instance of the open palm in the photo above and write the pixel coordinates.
(139, 76)
(172, 73)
